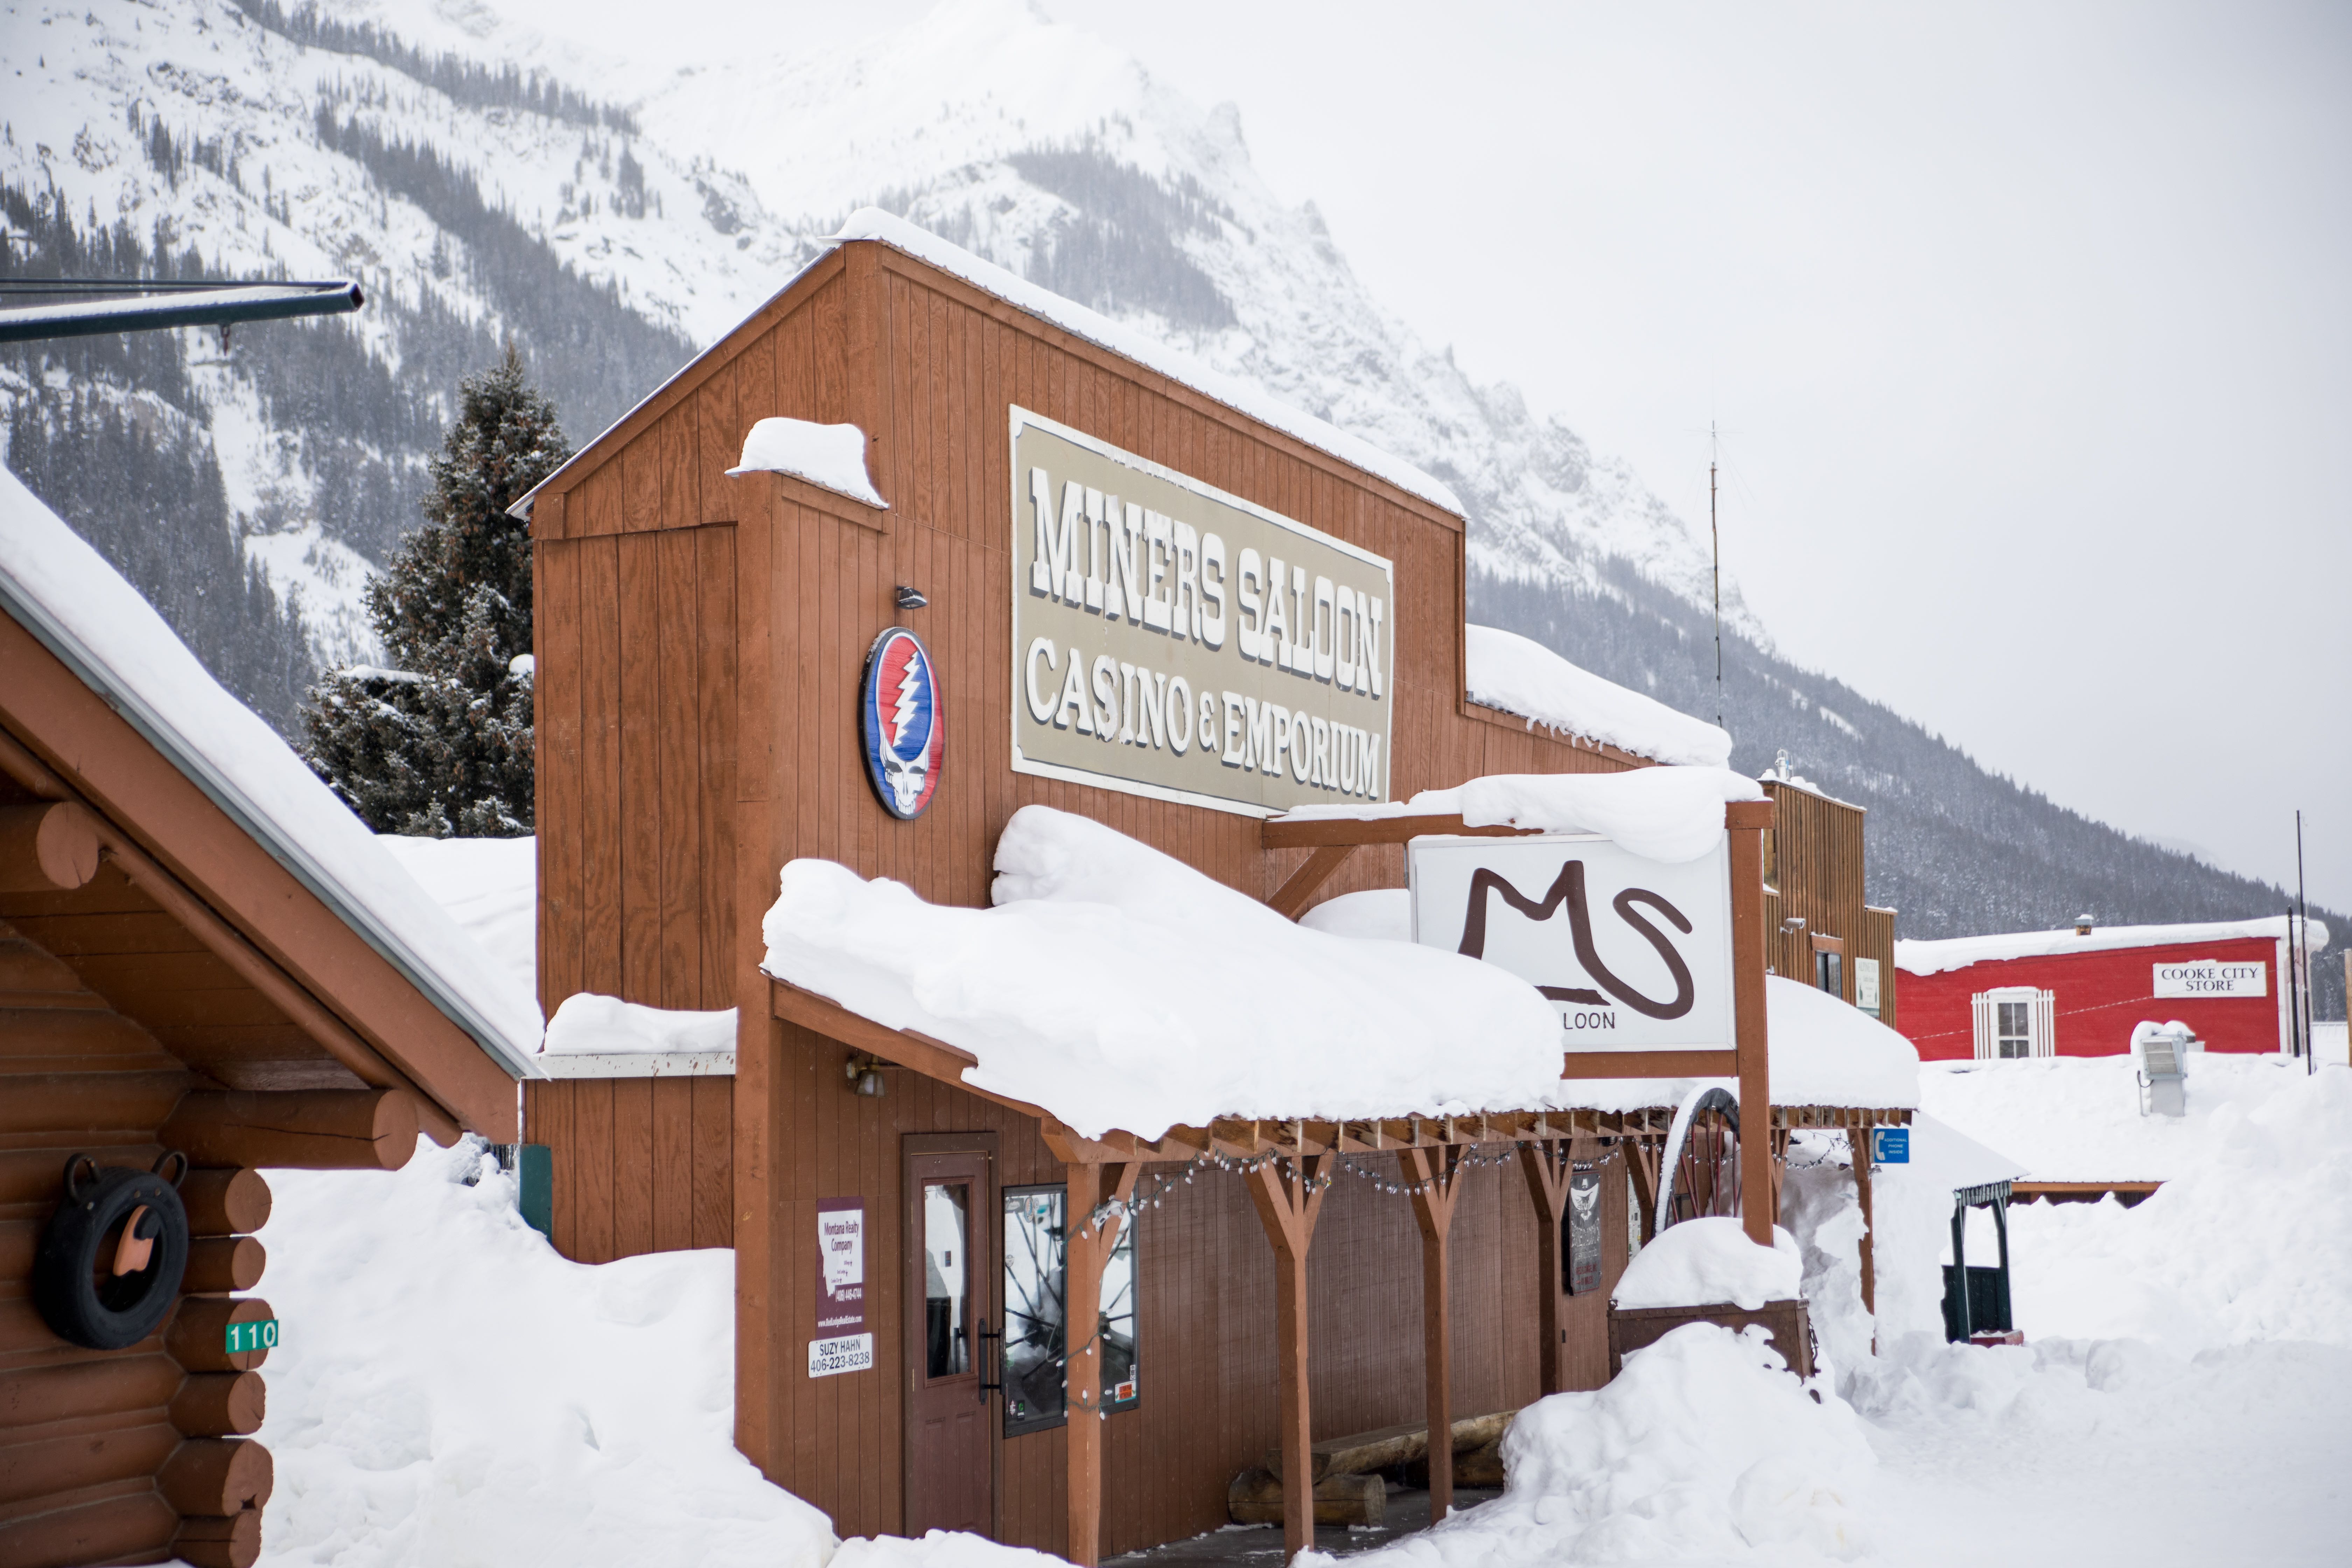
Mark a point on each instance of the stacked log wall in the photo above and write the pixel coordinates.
(135, 1455)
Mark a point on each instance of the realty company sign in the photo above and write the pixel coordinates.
(1634, 954)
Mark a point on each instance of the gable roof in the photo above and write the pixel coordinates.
(296, 852)
(1128, 342)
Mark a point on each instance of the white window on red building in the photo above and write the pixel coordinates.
(2015, 1021)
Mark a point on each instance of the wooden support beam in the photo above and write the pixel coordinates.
(1105, 1190)
(1747, 821)
(1547, 1167)
(1857, 1141)
(1779, 1137)
(1288, 1195)
(1316, 833)
(303, 1129)
(1434, 1176)
(1302, 884)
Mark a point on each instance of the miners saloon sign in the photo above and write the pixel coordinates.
(1171, 640)
(1634, 954)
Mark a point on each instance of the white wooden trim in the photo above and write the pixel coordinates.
(637, 1064)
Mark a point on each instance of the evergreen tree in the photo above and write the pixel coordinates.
(440, 743)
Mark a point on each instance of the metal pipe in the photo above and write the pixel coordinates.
(175, 304)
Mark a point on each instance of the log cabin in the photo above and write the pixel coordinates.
(207, 969)
(917, 545)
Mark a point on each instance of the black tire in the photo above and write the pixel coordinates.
(117, 1311)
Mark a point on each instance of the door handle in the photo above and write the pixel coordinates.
(986, 1387)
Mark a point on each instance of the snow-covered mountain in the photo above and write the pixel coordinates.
(1031, 143)
(482, 180)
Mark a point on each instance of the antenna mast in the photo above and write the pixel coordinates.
(1714, 547)
(2298, 954)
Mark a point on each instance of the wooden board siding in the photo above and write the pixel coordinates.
(1206, 1316)
(700, 641)
(1816, 866)
(1876, 940)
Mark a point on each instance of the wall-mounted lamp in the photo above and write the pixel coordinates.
(910, 598)
(865, 1075)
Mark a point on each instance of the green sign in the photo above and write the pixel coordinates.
(258, 1335)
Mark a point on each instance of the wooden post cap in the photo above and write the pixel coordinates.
(216, 1476)
(220, 1404)
(46, 848)
(303, 1129)
(232, 1542)
(198, 1336)
(218, 1265)
(233, 1202)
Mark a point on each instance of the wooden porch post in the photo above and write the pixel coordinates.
(1287, 1202)
(1642, 1157)
(1748, 821)
(1858, 1143)
(1087, 1248)
(1547, 1167)
(1434, 1176)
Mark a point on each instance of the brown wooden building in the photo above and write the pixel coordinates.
(167, 983)
(700, 639)
(1821, 931)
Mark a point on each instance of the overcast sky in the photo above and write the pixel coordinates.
(2029, 329)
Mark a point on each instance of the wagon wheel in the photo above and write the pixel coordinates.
(1700, 1172)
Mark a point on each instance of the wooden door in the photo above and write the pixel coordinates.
(951, 1447)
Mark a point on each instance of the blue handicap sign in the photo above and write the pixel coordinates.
(1890, 1146)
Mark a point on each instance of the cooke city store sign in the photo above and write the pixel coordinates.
(1175, 641)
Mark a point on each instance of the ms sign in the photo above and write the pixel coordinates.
(1634, 954)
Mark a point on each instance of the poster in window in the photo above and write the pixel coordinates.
(1583, 1224)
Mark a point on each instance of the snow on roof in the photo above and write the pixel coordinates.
(873, 223)
(1822, 1051)
(1943, 1155)
(1116, 987)
(1915, 957)
(1671, 814)
(833, 456)
(604, 1037)
(1521, 675)
(99, 625)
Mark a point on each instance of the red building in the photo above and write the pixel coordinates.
(2078, 992)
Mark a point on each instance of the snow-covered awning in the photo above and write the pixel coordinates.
(1921, 956)
(1118, 990)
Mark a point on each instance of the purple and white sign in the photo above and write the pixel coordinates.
(842, 1343)
(841, 1265)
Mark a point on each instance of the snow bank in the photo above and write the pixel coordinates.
(448, 1390)
(1519, 675)
(833, 456)
(1118, 987)
(490, 888)
(1704, 1448)
(82, 610)
(2076, 1118)
(2249, 1238)
(1705, 1262)
(1674, 815)
(1375, 914)
(1916, 956)
(1827, 1053)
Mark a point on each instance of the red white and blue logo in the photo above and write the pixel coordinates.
(902, 725)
